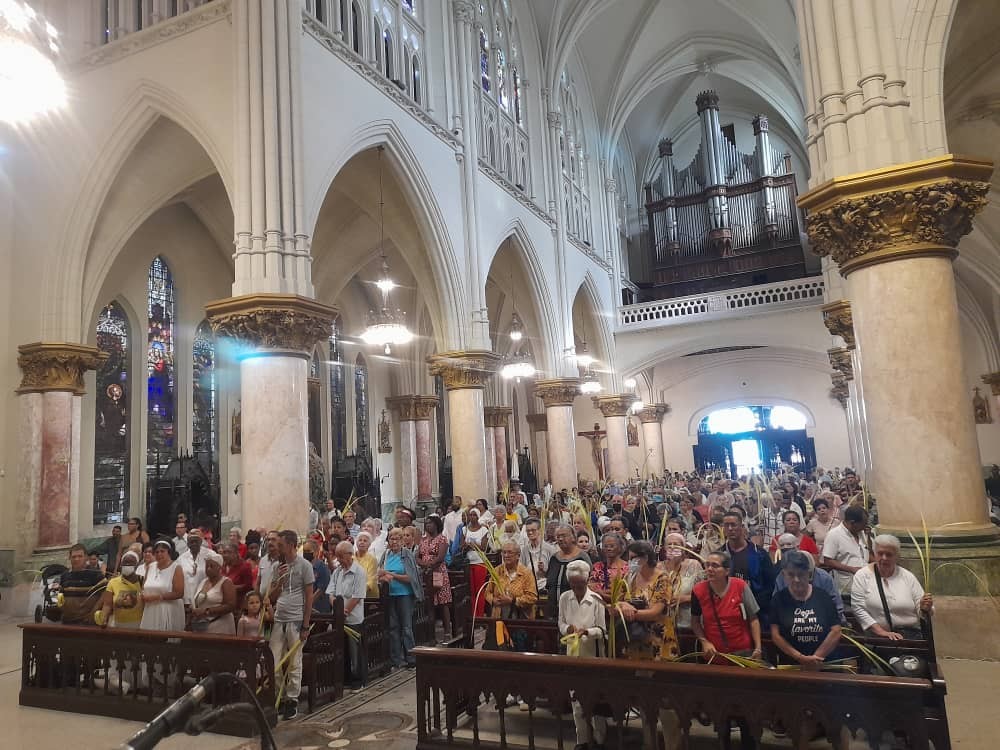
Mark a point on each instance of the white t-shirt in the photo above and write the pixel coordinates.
(194, 573)
(840, 545)
(480, 537)
(903, 593)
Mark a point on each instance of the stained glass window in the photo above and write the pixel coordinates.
(502, 80)
(484, 59)
(338, 393)
(111, 422)
(416, 79)
(361, 404)
(161, 427)
(390, 72)
(204, 402)
(408, 7)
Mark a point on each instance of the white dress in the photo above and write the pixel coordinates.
(162, 615)
(211, 596)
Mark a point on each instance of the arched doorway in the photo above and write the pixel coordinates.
(753, 439)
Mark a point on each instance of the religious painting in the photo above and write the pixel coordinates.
(632, 431)
(981, 408)
(384, 441)
(236, 444)
(161, 397)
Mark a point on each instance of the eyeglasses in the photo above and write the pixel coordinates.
(714, 565)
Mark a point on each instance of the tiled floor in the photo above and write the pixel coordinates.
(382, 717)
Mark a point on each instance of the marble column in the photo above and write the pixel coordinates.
(414, 413)
(558, 394)
(464, 374)
(651, 416)
(539, 432)
(491, 460)
(848, 387)
(496, 419)
(615, 409)
(425, 477)
(274, 334)
(51, 389)
(894, 232)
(993, 381)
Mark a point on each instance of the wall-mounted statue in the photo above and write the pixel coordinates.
(981, 408)
(632, 431)
(384, 439)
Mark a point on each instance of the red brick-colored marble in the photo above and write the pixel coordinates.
(423, 458)
(57, 453)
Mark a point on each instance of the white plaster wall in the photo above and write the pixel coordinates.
(9, 372)
(975, 365)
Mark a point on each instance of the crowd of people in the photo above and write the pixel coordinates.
(621, 569)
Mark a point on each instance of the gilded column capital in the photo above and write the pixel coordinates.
(47, 366)
(839, 322)
(286, 323)
(840, 390)
(469, 369)
(496, 416)
(910, 210)
(652, 413)
(993, 381)
(557, 391)
(840, 360)
(615, 405)
(538, 422)
(412, 408)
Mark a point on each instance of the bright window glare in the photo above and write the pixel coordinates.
(729, 421)
(787, 418)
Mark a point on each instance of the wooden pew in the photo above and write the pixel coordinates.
(452, 680)
(82, 670)
(323, 658)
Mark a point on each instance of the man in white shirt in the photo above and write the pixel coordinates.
(846, 548)
(180, 538)
(453, 518)
(374, 527)
(268, 564)
(535, 552)
(517, 501)
(350, 582)
(192, 562)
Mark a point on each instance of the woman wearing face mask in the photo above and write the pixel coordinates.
(604, 573)
(121, 605)
(683, 572)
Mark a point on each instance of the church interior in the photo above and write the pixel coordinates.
(396, 252)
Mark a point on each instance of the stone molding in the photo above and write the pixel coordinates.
(272, 322)
(840, 360)
(615, 405)
(412, 408)
(839, 322)
(497, 416)
(468, 369)
(993, 381)
(652, 413)
(48, 366)
(840, 391)
(538, 422)
(920, 209)
(557, 391)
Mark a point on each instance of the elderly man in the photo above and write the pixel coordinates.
(453, 518)
(350, 582)
(291, 593)
(269, 563)
(192, 563)
(535, 552)
(237, 570)
(820, 578)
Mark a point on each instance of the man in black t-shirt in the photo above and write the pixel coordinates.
(81, 589)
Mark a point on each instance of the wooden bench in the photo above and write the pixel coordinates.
(323, 658)
(135, 674)
(452, 680)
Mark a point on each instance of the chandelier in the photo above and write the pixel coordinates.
(30, 84)
(386, 328)
(518, 366)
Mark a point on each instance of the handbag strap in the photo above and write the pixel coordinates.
(881, 594)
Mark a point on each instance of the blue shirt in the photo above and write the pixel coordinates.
(322, 572)
(394, 564)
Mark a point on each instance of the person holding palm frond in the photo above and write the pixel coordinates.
(887, 599)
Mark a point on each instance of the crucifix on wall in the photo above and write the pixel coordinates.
(595, 437)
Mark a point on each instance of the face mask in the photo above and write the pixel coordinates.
(308, 556)
(674, 552)
(633, 565)
(128, 570)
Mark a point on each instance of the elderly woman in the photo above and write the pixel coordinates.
(364, 558)
(822, 521)
(582, 613)
(399, 570)
(685, 572)
(214, 604)
(556, 580)
(887, 599)
(236, 538)
(430, 557)
(612, 566)
(805, 624)
(515, 597)
(163, 590)
(121, 605)
(724, 612)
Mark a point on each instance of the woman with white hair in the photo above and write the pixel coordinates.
(374, 527)
(215, 602)
(887, 599)
(582, 613)
(368, 561)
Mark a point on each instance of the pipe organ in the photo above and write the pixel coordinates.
(728, 219)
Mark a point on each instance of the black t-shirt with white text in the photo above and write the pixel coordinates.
(805, 625)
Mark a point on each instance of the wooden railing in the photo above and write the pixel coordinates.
(451, 682)
(323, 658)
(135, 674)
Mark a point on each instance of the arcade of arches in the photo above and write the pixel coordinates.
(627, 238)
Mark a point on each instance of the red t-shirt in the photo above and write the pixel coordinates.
(806, 544)
(734, 634)
(242, 577)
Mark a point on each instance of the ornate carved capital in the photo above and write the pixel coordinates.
(652, 413)
(56, 367)
(272, 322)
(464, 11)
(538, 422)
(615, 405)
(460, 370)
(919, 209)
(496, 416)
(840, 360)
(557, 391)
(840, 391)
(993, 381)
(838, 321)
(759, 124)
(412, 408)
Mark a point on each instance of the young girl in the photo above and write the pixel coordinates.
(254, 610)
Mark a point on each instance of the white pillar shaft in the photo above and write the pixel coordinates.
(275, 459)
(500, 452)
(407, 461)
(618, 469)
(653, 440)
(491, 464)
(541, 456)
(468, 443)
(561, 447)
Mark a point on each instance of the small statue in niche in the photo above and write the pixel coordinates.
(236, 445)
(633, 432)
(384, 441)
(981, 408)
(317, 479)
